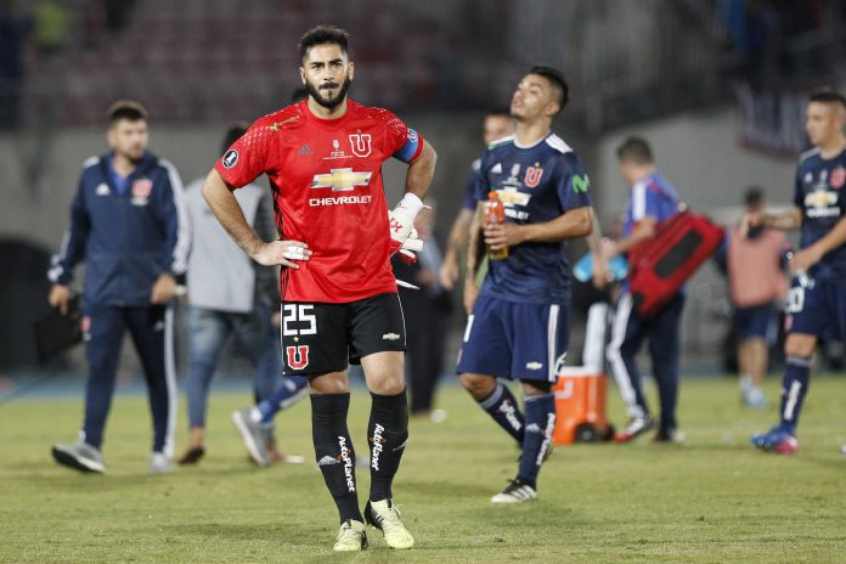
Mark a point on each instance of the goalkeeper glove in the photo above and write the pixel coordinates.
(401, 220)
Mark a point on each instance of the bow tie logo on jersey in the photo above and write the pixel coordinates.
(821, 203)
(341, 179)
(533, 176)
(360, 144)
(512, 197)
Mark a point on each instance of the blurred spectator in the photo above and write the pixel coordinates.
(427, 313)
(117, 13)
(753, 28)
(756, 283)
(13, 30)
(51, 26)
(229, 295)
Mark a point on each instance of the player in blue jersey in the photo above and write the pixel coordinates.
(652, 201)
(817, 301)
(498, 124)
(519, 325)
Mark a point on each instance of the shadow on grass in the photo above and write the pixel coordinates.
(275, 531)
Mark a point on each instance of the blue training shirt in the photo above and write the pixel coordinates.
(537, 184)
(651, 196)
(127, 239)
(819, 194)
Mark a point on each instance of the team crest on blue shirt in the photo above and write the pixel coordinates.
(141, 190)
(838, 178)
(533, 176)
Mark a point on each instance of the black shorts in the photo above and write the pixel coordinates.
(318, 338)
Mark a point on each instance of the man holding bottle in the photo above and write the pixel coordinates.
(532, 194)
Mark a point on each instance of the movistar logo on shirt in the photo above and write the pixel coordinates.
(581, 183)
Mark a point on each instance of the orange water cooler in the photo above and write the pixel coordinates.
(581, 391)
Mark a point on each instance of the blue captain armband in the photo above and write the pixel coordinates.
(411, 149)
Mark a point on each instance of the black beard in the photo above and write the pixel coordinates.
(326, 103)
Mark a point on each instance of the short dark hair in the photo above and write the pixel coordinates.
(635, 149)
(829, 97)
(235, 132)
(498, 111)
(322, 35)
(559, 83)
(128, 110)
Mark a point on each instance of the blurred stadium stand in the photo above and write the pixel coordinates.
(195, 61)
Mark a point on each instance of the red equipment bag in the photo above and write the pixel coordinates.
(661, 265)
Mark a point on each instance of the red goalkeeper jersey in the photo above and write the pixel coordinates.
(326, 178)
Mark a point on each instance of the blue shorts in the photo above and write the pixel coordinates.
(753, 322)
(515, 340)
(819, 309)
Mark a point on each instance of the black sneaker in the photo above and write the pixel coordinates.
(668, 436)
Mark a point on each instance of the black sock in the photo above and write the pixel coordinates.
(334, 452)
(502, 406)
(387, 433)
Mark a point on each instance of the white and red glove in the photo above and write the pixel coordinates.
(401, 224)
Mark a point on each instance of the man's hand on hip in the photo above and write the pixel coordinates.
(284, 253)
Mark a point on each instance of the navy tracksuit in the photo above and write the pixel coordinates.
(128, 232)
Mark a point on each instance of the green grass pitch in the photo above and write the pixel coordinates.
(712, 499)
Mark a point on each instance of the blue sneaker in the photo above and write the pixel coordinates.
(778, 439)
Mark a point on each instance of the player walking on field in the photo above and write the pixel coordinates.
(518, 327)
(324, 158)
(129, 224)
(817, 301)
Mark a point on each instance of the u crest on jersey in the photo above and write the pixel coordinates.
(297, 356)
(360, 144)
(838, 178)
(533, 176)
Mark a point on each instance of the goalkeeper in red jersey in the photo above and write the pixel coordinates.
(324, 158)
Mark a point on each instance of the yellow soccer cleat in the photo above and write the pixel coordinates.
(352, 537)
(386, 517)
